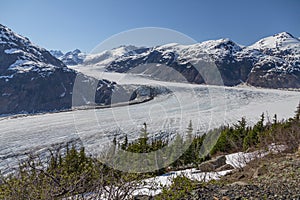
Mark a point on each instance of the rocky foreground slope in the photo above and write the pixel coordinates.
(273, 177)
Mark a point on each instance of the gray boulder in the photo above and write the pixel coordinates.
(213, 164)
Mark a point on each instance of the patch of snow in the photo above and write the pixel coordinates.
(240, 159)
(24, 65)
(65, 90)
(153, 186)
(12, 51)
(6, 94)
(6, 77)
(62, 95)
(166, 180)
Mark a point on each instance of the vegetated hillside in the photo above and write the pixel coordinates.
(274, 176)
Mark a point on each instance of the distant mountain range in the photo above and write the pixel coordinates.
(272, 62)
(70, 58)
(76, 57)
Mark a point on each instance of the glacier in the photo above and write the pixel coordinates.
(206, 106)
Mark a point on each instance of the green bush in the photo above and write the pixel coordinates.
(180, 188)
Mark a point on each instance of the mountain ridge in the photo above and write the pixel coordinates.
(256, 65)
(271, 62)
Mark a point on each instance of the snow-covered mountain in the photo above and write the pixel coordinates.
(272, 62)
(104, 58)
(180, 60)
(277, 43)
(276, 61)
(32, 80)
(56, 53)
(70, 58)
(19, 55)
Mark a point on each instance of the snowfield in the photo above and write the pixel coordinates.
(207, 106)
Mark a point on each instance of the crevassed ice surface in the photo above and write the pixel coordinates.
(206, 106)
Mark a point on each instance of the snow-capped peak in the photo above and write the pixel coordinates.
(76, 51)
(8, 36)
(210, 45)
(20, 55)
(104, 58)
(281, 41)
(56, 53)
(74, 57)
(125, 48)
(283, 35)
(221, 46)
(217, 49)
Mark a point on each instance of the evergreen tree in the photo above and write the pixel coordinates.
(189, 146)
(114, 144)
(297, 116)
(143, 140)
(190, 131)
(275, 119)
(254, 134)
(177, 149)
(115, 141)
(125, 143)
(144, 133)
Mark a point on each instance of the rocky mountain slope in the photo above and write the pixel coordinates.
(278, 62)
(273, 62)
(32, 80)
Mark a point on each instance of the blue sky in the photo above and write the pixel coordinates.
(66, 25)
